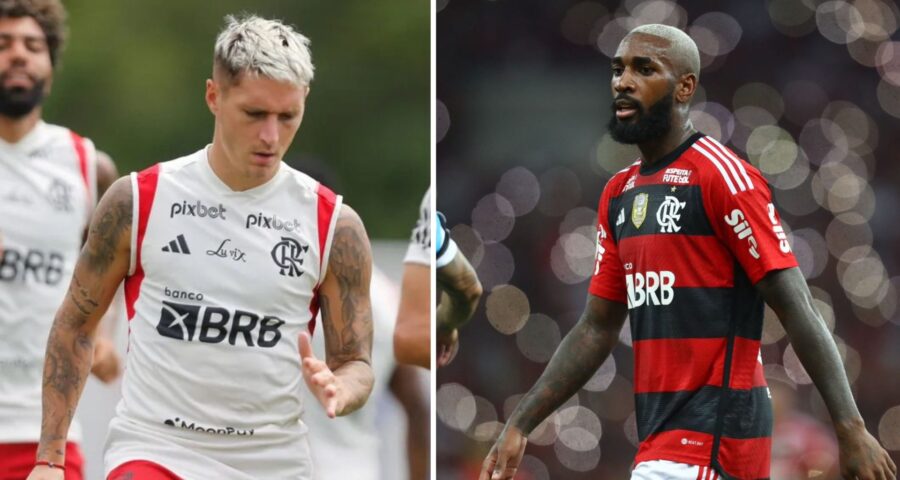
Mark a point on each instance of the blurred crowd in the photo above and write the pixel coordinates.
(808, 91)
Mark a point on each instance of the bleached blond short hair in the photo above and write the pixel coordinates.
(269, 48)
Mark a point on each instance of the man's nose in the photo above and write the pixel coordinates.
(268, 134)
(624, 82)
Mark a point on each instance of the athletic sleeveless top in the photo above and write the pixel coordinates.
(221, 284)
(48, 188)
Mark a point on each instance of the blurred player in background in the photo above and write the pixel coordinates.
(227, 255)
(689, 246)
(50, 180)
(461, 292)
(350, 448)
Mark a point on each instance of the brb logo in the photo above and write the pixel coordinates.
(286, 254)
(197, 209)
(42, 267)
(211, 324)
(650, 288)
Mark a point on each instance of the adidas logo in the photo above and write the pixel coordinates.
(179, 245)
(621, 218)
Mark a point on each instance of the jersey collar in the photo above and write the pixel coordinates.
(670, 157)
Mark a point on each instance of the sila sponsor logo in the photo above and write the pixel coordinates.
(214, 324)
(197, 209)
(177, 422)
(272, 222)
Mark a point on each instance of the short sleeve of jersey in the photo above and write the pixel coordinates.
(740, 209)
(419, 250)
(608, 279)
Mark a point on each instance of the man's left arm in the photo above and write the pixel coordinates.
(344, 381)
(788, 295)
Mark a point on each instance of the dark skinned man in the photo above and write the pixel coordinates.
(689, 245)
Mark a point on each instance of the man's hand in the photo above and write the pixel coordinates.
(448, 346)
(43, 472)
(861, 456)
(505, 456)
(106, 360)
(320, 379)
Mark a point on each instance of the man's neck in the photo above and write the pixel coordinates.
(14, 129)
(654, 150)
(221, 167)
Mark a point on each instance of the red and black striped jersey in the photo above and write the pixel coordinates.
(683, 242)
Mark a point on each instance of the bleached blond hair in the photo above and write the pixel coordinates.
(269, 48)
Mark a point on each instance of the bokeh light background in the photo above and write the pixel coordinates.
(808, 91)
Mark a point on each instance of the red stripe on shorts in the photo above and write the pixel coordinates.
(141, 470)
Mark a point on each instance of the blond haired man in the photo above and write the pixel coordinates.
(227, 256)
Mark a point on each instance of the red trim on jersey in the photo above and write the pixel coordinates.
(81, 152)
(698, 362)
(146, 192)
(696, 260)
(682, 446)
(325, 212)
(141, 470)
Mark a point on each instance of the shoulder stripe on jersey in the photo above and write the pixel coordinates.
(81, 152)
(327, 201)
(143, 196)
(636, 162)
(715, 162)
(728, 154)
(727, 162)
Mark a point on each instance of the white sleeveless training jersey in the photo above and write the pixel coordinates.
(47, 191)
(348, 447)
(221, 285)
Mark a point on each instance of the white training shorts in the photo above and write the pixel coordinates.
(666, 470)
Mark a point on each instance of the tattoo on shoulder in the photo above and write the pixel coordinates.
(351, 264)
(114, 221)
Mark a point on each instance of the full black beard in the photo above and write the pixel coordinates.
(18, 102)
(650, 125)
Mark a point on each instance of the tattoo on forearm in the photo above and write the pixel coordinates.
(68, 359)
(575, 360)
(81, 298)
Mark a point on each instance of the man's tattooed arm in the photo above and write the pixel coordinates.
(347, 310)
(102, 265)
(576, 359)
